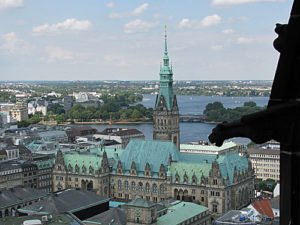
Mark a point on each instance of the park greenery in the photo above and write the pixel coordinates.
(118, 107)
(216, 112)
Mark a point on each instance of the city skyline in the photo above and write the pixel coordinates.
(115, 40)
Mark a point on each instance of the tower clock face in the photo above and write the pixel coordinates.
(137, 212)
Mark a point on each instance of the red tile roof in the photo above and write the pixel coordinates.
(263, 206)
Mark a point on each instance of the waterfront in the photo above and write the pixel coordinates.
(191, 105)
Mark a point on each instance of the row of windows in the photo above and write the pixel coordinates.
(215, 193)
(266, 156)
(265, 165)
(140, 187)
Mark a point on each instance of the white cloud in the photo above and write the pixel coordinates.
(211, 20)
(244, 40)
(185, 23)
(239, 2)
(4, 4)
(110, 5)
(140, 9)
(228, 31)
(71, 24)
(137, 26)
(10, 41)
(207, 21)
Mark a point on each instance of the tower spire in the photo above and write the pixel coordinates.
(166, 46)
(166, 57)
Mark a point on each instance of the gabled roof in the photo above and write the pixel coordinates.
(17, 195)
(153, 152)
(263, 206)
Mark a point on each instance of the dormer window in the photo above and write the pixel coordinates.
(91, 170)
(76, 169)
(83, 169)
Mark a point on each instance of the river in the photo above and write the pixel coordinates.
(192, 105)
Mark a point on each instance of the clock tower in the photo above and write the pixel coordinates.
(166, 112)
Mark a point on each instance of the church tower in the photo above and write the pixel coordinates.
(166, 112)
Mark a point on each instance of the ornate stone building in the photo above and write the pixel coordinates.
(166, 112)
(156, 170)
(82, 170)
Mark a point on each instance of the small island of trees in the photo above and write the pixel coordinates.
(216, 112)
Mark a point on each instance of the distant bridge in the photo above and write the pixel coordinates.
(192, 118)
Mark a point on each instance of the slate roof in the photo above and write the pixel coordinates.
(140, 202)
(57, 219)
(154, 152)
(65, 201)
(117, 215)
(18, 195)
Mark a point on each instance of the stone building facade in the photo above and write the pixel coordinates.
(157, 171)
(85, 171)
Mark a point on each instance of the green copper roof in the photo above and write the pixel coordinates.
(166, 79)
(45, 164)
(199, 164)
(154, 152)
(189, 169)
(82, 159)
(229, 161)
(180, 212)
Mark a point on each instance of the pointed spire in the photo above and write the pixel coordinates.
(166, 57)
(166, 46)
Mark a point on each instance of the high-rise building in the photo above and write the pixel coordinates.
(166, 112)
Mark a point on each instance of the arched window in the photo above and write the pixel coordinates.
(119, 184)
(161, 188)
(83, 169)
(140, 186)
(126, 185)
(154, 188)
(133, 185)
(147, 188)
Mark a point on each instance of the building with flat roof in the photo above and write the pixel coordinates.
(119, 135)
(203, 147)
(265, 160)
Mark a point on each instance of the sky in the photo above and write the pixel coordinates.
(124, 40)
